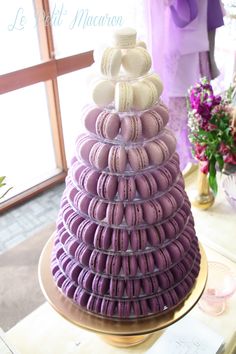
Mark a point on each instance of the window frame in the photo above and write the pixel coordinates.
(47, 72)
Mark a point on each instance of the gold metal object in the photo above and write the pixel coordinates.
(204, 198)
(122, 333)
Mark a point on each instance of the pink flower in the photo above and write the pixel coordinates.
(230, 158)
(223, 149)
(211, 127)
(205, 167)
(200, 152)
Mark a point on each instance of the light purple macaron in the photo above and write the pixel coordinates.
(146, 185)
(152, 211)
(126, 188)
(138, 158)
(97, 209)
(98, 155)
(85, 231)
(90, 117)
(119, 240)
(115, 213)
(133, 214)
(107, 186)
(102, 237)
(131, 128)
(117, 159)
(107, 125)
(138, 239)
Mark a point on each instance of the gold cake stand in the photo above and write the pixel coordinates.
(122, 333)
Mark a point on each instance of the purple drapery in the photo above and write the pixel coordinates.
(189, 17)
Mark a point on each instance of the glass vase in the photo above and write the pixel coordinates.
(204, 198)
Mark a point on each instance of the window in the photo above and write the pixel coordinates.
(41, 41)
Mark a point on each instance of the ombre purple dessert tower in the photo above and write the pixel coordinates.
(125, 245)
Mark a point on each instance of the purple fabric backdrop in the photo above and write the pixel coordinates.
(178, 33)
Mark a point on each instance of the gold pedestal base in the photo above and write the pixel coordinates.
(121, 333)
(125, 341)
(204, 201)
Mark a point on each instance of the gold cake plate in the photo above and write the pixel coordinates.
(121, 333)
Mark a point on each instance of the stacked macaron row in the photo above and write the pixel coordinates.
(110, 186)
(136, 94)
(140, 296)
(125, 82)
(125, 244)
(126, 214)
(120, 158)
(122, 240)
(132, 127)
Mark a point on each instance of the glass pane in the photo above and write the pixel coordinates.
(18, 36)
(78, 26)
(26, 148)
(72, 104)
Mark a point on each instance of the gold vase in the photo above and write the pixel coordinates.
(204, 198)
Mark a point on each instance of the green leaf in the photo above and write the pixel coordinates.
(212, 176)
(3, 195)
(2, 179)
(220, 161)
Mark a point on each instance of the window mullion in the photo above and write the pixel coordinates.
(47, 53)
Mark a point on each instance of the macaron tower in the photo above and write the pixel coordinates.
(125, 245)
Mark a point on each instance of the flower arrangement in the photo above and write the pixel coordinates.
(212, 124)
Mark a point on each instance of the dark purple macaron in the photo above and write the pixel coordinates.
(156, 304)
(73, 269)
(85, 231)
(176, 251)
(94, 304)
(82, 254)
(156, 235)
(81, 297)
(68, 288)
(113, 264)
(117, 287)
(140, 308)
(170, 229)
(166, 279)
(129, 265)
(124, 309)
(150, 285)
(152, 211)
(85, 279)
(162, 258)
(100, 285)
(146, 263)
(138, 239)
(133, 287)
(108, 307)
(102, 237)
(97, 261)
(179, 271)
